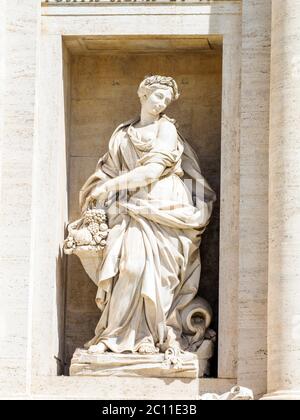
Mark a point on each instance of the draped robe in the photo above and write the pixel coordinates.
(150, 268)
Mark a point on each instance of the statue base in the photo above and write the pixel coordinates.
(189, 365)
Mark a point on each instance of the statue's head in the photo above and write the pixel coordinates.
(157, 92)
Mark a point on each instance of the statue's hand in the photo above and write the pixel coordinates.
(98, 194)
(88, 204)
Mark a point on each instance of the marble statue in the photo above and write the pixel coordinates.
(143, 213)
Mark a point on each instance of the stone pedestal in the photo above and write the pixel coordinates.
(113, 364)
(189, 365)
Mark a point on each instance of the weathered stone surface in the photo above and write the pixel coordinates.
(194, 365)
(110, 388)
(19, 27)
(113, 364)
(32, 275)
(254, 166)
(284, 207)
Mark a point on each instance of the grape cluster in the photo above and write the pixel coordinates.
(95, 215)
(91, 230)
(70, 242)
(96, 221)
(93, 227)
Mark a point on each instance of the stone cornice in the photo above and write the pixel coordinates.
(95, 2)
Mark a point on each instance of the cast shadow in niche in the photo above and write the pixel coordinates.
(60, 308)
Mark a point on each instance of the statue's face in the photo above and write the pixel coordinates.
(158, 101)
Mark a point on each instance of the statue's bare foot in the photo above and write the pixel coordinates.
(147, 348)
(98, 348)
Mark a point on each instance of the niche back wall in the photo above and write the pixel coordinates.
(103, 95)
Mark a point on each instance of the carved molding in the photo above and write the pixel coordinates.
(79, 2)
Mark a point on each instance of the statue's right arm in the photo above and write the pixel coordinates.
(152, 171)
(138, 177)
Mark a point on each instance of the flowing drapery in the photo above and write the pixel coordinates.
(150, 269)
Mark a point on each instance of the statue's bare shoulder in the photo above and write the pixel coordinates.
(167, 135)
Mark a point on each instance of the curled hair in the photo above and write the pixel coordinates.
(151, 83)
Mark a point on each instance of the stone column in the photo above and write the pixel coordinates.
(253, 211)
(284, 204)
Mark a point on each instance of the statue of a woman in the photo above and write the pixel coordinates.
(158, 205)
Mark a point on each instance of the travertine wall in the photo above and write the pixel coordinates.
(104, 95)
(31, 275)
(284, 195)
(19, 29)
(49, 213)
(254, 185)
